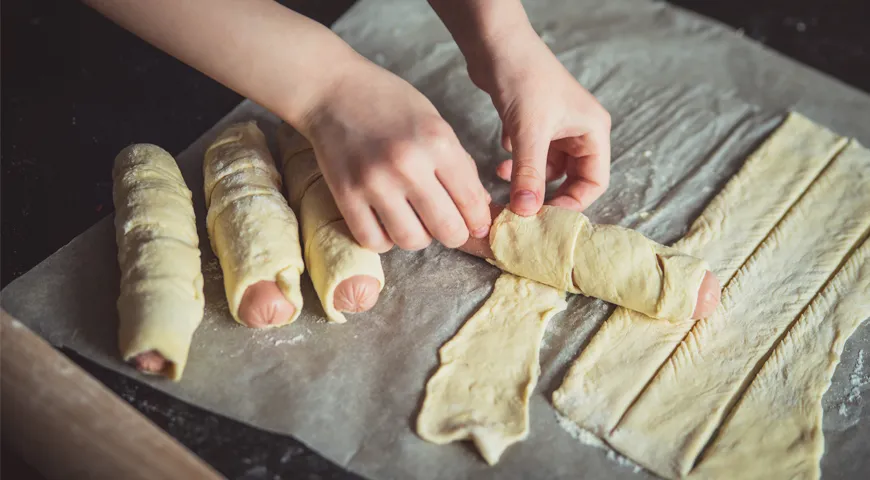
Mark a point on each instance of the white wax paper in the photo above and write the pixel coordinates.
(689, 99)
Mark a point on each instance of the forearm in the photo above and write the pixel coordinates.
(268, 53)
(484, 30)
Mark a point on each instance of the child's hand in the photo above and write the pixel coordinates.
(395, 167)
(551, 124)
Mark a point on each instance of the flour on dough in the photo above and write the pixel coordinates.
(161, 302)
(253, 231)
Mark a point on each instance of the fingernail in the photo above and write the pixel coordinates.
(481, 232)
(525, 200)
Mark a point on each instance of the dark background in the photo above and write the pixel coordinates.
(76, 89)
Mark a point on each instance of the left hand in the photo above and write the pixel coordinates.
(551, 124)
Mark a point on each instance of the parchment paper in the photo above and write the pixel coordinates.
(689, 99)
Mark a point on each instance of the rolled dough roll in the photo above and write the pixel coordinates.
(161, 301)
(331, 252)
(561, 248)
(253, 231)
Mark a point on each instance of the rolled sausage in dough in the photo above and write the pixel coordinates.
(331, 253)
(161, 301)
(561, 248)
(253, 231)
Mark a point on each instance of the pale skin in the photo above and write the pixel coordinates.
(396, 169)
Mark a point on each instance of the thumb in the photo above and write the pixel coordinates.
(527, 175)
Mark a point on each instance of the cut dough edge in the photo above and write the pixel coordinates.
(588, 395)
(817, 338)
(694, 243)
(832, 202)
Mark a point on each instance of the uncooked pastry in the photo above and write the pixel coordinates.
(711, 368)
(161, 301)
(490, 368)
(629, 348)
(657, 392)
(782, 409)
(561, 248)
(253, 231)
(331, 253)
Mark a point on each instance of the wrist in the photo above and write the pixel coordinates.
(501, 57)
(298, 104)
(486, 32)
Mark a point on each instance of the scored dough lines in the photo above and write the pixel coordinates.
(599, 403)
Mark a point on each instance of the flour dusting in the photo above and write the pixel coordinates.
(290, 341)
(623, 461)
(578, 433)
(858, 379)
(588, 438)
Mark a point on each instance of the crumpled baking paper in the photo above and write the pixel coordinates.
(689, 99)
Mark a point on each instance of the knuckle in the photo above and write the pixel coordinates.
(366, 178)
(403, 157)
(435, 131)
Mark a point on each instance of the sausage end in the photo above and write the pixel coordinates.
(709, 296)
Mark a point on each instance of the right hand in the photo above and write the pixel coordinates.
(395, 168)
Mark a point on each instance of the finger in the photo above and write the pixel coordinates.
(364, 225)
(505, 140)
(462, 184)
(555, 167)
(439, 213)
(480, 247)
(356, 294)
(528, 172)
(401, 223)
(486, 194)
(708, 296)
(264, 305)
(588, 176)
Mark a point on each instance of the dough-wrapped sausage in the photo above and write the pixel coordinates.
(253, 231)
(561, 248)
(161, 302)
(347, 277)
